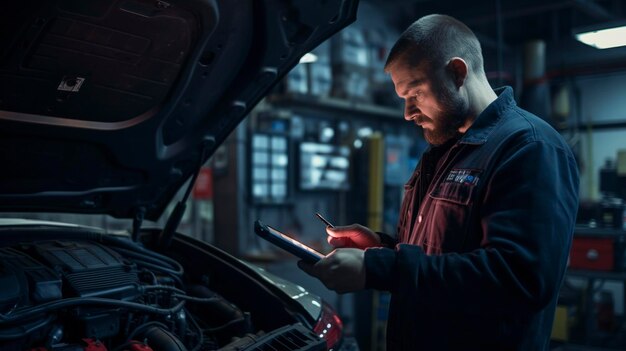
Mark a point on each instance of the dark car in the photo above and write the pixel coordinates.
(109, 107)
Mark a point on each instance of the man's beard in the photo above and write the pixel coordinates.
(453, 116)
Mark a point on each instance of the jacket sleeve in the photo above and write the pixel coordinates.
(527, 218)
(387, 240)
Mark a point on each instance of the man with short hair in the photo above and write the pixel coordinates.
(487, 217)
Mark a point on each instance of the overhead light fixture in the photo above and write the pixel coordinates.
(308, 58)
(603, 38)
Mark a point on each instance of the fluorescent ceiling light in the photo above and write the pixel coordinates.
(604, 38)
(308, 58)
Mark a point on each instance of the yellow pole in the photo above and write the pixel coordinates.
(376, 182)
(375, 200)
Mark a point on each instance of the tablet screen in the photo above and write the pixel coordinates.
(293, 241)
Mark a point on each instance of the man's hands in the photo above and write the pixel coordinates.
(342, 270)
(355, 235)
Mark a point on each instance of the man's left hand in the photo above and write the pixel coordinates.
(342, 270)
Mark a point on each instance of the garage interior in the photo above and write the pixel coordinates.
(331, 139)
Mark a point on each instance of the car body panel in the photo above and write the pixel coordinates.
(110, 106)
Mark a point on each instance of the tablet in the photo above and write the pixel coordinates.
(287, 243)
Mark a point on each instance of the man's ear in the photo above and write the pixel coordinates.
(457, 67)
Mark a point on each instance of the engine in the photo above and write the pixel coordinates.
(82, 295)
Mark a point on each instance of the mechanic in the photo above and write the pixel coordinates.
(487, 217)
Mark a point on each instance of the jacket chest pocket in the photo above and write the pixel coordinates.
(455, 193)
(449, 211)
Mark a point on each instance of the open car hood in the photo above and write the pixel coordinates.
(109, 106)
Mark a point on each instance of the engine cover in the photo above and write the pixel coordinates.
(25, 281)
(89, 269)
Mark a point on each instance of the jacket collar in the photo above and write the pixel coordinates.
(486, 121)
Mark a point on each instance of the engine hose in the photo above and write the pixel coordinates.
(153, 260)
(180, 294)
(199, 331)
(14, 333)
(198, 299)
(138, 249)
(160, 339)
(132, 335)
(226, 325)
(158, 268)
(20, 314)
(219, 316)
(146, 288)
(134, 253)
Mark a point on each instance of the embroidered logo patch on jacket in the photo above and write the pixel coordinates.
(463, 176)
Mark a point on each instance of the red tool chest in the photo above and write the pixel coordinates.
(598, 249)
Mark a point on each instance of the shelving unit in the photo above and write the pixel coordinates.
(592, 277)
(335, 106)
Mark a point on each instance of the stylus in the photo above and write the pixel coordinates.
(324, 220)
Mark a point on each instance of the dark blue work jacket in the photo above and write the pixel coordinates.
(479, 266)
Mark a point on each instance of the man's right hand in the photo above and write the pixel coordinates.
(354, 236)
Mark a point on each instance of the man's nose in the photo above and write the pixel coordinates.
(410, 111)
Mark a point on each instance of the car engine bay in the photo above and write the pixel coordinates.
(62, 295)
